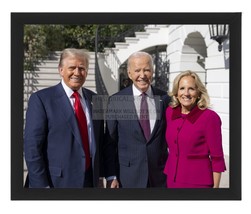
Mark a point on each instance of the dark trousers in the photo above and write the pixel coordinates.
(88, 177)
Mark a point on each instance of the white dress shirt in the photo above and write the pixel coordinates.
(69, 93)
(150, 101)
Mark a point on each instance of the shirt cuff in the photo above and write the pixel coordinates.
(111, 178)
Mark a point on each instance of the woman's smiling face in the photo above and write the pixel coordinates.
(187, 93)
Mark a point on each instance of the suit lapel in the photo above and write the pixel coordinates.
(159, 109)
(159, 104)
(131, 105)
(64, 105)
(88, 100)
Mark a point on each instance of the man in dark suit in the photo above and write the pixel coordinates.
(135, 152)
(53, 142)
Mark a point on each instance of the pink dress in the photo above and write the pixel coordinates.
(195, 148)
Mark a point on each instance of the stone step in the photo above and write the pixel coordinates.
(131, 40)
(141, 35)
(153, 29)
(48, 75)
(54, 69)
(121, 45)
(54, 64)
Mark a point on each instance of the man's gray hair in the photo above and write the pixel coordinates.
(68, 52)
(140, 54)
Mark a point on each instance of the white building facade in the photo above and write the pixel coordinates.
(188, 47)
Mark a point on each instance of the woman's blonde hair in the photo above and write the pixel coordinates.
(203, 100)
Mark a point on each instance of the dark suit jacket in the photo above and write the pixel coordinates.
(136, 162)
(52, 142)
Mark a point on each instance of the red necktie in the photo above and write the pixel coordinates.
(82, 124)
(144, 117)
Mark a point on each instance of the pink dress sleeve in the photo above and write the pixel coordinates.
(214, 142)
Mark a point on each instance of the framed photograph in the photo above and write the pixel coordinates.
(177, 41)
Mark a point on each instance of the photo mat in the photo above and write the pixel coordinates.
(18, 20)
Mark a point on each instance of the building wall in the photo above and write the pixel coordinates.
(213, 69)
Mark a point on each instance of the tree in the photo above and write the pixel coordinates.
(34, 46)
(41, 40)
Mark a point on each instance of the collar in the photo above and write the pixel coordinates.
(69, 91)
(137, 92)
(192, 116)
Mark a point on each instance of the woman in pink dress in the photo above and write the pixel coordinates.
(193, 136)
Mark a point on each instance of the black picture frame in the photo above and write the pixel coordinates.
(18, 192)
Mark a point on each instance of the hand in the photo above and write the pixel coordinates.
(101, 183)
(112, 184)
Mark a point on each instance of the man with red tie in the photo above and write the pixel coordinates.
(62, 142)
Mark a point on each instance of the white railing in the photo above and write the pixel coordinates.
(112, 62)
